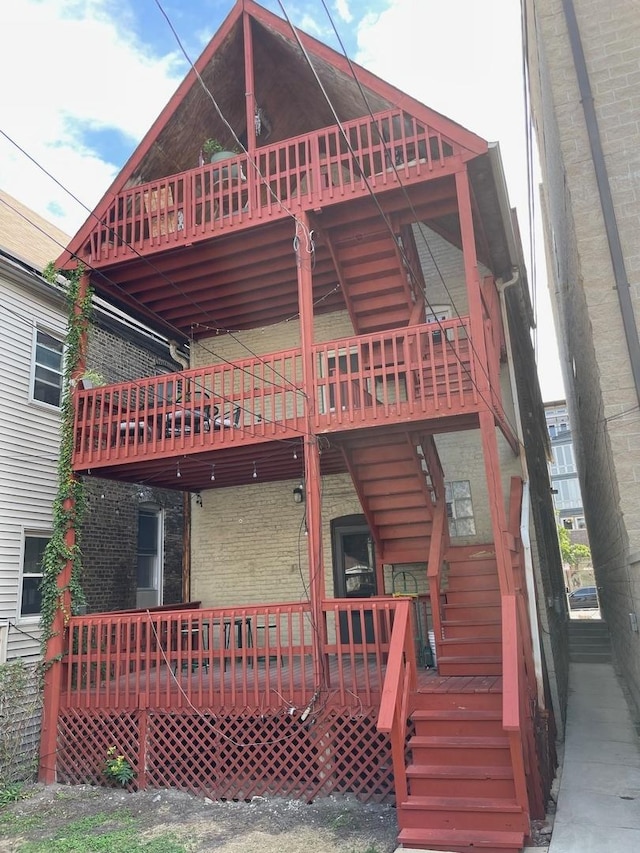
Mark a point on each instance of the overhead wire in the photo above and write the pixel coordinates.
(363, 177)
(145, 310)
(143, 384)
(390, 159)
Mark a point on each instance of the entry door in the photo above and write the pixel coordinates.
(354, 571)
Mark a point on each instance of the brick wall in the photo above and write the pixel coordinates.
(596, 363)
(109, 536)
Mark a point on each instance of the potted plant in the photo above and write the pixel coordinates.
(215, 151)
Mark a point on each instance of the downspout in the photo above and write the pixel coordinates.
(526, 498)
(604, 191)
(178, 357)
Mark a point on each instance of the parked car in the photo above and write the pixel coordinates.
(584, 598)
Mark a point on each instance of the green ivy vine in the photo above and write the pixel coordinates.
(69, 503)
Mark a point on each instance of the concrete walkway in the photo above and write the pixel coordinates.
(599, 794)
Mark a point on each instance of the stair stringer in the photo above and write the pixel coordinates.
(374, 278)
(394, 484)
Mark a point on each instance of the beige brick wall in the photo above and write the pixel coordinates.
(596, 362)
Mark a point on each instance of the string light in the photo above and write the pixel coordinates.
(255, 472)
(213, 471)
(295, 453)
(178, 474)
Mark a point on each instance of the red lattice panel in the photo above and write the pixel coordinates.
(238, 756)
(84, 738)
(234, 755)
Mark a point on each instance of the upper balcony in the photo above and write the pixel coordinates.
(228, 412)
(388, 150)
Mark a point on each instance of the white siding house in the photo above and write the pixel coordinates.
(32, 330)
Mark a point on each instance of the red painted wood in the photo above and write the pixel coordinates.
(196, 204)
(462, 841)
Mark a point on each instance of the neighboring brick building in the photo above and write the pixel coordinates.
(584, 60)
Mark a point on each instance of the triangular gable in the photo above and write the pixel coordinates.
(466, 143)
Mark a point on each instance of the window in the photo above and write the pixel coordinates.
(563, 460)
(147, 548)
(567, 494)
(47, 373)
(344, 364)
(31, 598)
(460, 508)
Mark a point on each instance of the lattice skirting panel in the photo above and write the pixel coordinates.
(233, 755)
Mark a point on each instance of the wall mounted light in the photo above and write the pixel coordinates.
(298, 494)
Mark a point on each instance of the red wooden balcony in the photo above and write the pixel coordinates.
(416, 373)
(226, 657)
(305, 172)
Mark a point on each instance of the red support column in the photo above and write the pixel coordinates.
(56, 643)
(249, 84)
(313, 498)
(487, 416)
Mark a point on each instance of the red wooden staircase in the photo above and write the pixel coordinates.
(393, 475)
(471, 642)
(377, 276)
(460, 786)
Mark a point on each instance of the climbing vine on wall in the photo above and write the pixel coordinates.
(69, 503)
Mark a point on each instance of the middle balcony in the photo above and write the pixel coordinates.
(172, 430)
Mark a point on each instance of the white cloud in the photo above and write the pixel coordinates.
(342, 8)
(66, 62)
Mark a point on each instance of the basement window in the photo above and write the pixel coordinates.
(459, 508)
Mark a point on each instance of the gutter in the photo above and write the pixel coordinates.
(604, 191)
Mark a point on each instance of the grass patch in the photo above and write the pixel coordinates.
(101, 833)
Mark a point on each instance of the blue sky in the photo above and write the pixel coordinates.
(84, 79)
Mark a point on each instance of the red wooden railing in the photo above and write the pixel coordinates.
(301, 172)
(519, 696)
(404, 374)
(226, 657)
(400, 680)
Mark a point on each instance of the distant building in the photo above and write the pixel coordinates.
(563, 472)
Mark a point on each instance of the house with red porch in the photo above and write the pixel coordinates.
(374, 587)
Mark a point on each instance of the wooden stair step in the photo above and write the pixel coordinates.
(473, 813)
(459, 750)
(485, 629)
(462, 778)
(459, 723)
(467, 665)
(462, 841)
(456, 714)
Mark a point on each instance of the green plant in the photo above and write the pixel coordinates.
(11, 793)
(212, 146)
(69, 503)
(117, 768)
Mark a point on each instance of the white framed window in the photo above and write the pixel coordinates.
(47, 367)
(563, 459)
(439, 314)
(149, 557)
(33, 546)
(341, 363)
(459, 508)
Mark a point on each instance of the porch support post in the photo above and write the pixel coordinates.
(250, 98)
(487, 414)
(56, 643)
(313, 499)
(472, 279)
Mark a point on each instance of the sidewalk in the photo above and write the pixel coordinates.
(599, 794)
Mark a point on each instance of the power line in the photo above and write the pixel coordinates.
(364, 178)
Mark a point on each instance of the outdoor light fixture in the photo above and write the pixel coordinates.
(298, 494)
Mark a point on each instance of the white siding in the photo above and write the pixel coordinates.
(29, 443)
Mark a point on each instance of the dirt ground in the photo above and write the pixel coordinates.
(331, 825)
